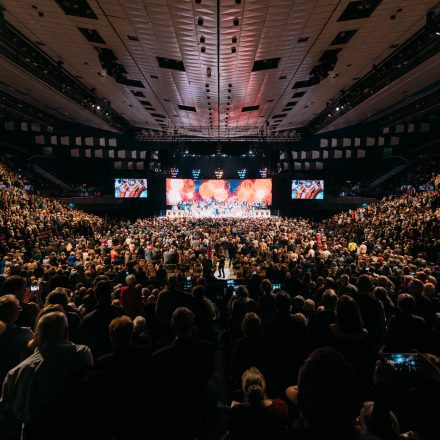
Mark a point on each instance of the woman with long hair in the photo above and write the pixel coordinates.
(258, 417)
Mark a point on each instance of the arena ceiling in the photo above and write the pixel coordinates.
(214, 63)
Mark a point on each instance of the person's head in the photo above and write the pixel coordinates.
(365, 283)
(298, 303)
(172, 282)
(51, 327)
(9, 308)
(406, 303)
(344, 279)
(329, 392)
(15, 285)
(253, 385)
(266, 286)
(429, 289)
(57, 296)
(329, 283)
(130, 280)
(242, 292)
(348, 316)
(415, 287)
(329, 299)
(103, 291)
(381, 424)
(309, 305)
(198, 292)
(182, 322)
(121, 332)
(139, 324)
(283, 302)
(251, 325)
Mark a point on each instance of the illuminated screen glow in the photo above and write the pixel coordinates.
(252, 191)
(307, 189)
(131, 188)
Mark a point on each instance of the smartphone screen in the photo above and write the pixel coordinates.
(402, 362)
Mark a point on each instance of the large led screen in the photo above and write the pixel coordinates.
(131, 188)
(252, 191)
(308, 189)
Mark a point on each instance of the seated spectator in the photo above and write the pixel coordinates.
(258, 417)
(407, 331)
(181, 371)
(13, 339)
(93, 330)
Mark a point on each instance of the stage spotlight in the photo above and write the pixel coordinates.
(218, 173)
(263, 173)
(195, 173)
(242, 173)
(174, 172)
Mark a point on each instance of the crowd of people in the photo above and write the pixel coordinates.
(118, 329)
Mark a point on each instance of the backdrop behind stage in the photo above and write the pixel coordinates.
(251, 191)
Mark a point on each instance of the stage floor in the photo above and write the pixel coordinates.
(229, 273)
(260, 213)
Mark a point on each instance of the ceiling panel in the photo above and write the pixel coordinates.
(217, 83)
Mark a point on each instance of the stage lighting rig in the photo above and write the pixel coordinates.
(195, 173)
(174, 172)
(218, 173)
(242, 173)
(263, 172)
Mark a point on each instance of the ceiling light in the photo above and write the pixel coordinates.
(98, 107)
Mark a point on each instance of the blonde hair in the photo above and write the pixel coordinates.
(254, 386)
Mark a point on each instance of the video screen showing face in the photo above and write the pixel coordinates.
(131, 188)
(307, 189)
(251, 191)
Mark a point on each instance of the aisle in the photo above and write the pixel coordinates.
(229, 272)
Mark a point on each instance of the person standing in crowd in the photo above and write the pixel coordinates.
(34, 386)
(131, 297)
(182, 371)
(13, 339)
(221, 266)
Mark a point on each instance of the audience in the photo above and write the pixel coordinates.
(167, 346)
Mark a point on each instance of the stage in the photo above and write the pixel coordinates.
(180, 213)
